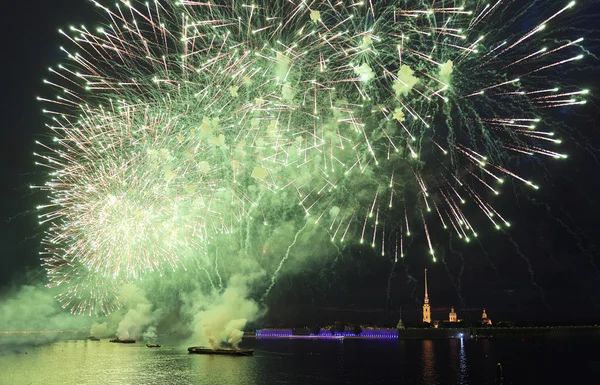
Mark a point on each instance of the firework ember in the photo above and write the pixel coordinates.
(178, 124)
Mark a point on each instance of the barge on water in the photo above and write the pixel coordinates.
(153, 345)
(225, 351)
(126, 341)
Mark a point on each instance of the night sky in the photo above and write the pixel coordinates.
(545, 268)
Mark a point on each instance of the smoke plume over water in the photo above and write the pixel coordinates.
(221, 317)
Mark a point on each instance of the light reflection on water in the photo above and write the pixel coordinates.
(306, 362)
(463, 373)
(428, 363)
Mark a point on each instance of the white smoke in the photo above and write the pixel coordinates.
(137, 318)
(399, 114)
(31, 315)
(101, 330)
(288, 92)
(234, 331)
(405, 82)
(365, 72)
(446, 72)
(282, 67)
(149, 336)
(221, 317)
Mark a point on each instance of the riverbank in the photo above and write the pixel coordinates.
(432, 333)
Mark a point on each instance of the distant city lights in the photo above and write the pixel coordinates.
(326, 334)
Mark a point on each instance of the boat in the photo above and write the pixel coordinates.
(126, 341)
(499, 374)
(153, 345)
(92, 338)
(225, 351)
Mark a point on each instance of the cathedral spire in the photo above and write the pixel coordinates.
(426, 307)
(400, 322)
(426, 295)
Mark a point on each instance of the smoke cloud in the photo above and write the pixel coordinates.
(149, 336)
(220, 317)
(405, 82)
(101, 330)
(445, 73)
(138, 317)
(207, 304)
(31, 315)
(365, 72)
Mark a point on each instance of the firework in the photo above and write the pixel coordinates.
(84, 292)
(363, 107)
(175, 121)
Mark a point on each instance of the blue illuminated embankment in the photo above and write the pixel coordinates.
(326, 334)
(429, 333)
(273, 333)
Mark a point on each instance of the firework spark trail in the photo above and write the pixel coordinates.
(285, 257)
(571, 232)
(10, 219)
(388, 291)
(210, 280)
(217, 269)
(452, 279)
(530, 270)
(489, 261)
(411, 280)
(176, 122)
(369, 141)
(460, 274)
(583, 143)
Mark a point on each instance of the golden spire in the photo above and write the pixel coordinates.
(426, 307)
(426, 295)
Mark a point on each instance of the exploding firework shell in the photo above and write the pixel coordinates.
(131, 193)
(84, 292)
(363, 107)
(175, 118)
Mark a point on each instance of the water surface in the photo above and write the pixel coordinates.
(308, 362)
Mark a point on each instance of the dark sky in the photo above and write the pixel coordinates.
(546, 267)
(30, 45)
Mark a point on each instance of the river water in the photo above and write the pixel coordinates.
(308, 362)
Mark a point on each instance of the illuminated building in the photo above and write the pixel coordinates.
(400, 322)
(452, 316)
(426, 307)
(484, 319)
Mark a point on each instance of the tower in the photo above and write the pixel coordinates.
(426, 307)
(452, 315)
(484, 319)
(400, 322)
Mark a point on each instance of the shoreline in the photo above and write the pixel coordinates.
(433, 333)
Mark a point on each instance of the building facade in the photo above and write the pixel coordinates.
(452, 317)
(484, 319)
